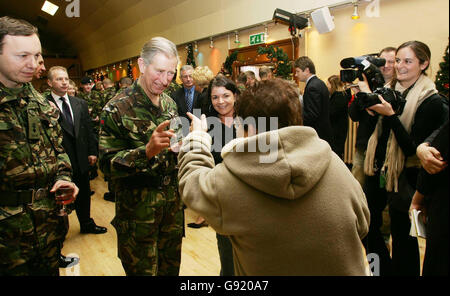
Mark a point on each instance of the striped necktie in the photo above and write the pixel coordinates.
(189, 100)
(66, 111)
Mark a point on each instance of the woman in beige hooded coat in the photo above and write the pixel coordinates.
(290, 207)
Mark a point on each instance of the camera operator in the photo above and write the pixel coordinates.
(390, 163)
(388, 70)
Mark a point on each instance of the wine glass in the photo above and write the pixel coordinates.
(177, 126)
(63, 197)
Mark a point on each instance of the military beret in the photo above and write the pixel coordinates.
(86, 80)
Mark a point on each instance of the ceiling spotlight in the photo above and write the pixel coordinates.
(211, 43)
(355, 14)
(292, 20)
(49, 8)
(195, 46)
(236, 35)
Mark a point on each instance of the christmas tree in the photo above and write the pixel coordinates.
(190, 55)
(442, 76)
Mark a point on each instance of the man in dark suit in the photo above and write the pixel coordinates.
(316, 98)
(78, 141)
(187, 98)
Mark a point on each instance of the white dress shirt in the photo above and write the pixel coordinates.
(60, 103)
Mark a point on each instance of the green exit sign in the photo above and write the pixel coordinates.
(257, 38)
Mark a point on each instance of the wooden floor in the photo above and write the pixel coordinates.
(98, 252)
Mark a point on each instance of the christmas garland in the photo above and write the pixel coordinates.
(227, 67)
(283, 67)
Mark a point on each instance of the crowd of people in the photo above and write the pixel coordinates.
(259, 161)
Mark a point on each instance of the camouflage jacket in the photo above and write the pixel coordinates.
(31, 152)
(173, 87)
(107, 95)
(46, 93)
(127, 123)
(94, 100)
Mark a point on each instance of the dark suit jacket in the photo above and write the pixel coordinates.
(79, 142)
(179, 98)
(339, 120)
(316, 108)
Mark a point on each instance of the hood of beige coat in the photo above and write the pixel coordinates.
(285, 163)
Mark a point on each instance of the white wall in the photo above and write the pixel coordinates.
(188, 21)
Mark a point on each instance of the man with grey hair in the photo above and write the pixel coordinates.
(135, 158)
(265, 73)
(186, 97)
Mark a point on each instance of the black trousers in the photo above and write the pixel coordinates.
(226, 255)
(82, 205)
(374, 241)
(83, 202)
(405, 250)
(436, 256)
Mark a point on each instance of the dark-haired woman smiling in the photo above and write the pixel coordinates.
(222, 95)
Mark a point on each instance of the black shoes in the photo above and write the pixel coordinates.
(92, 228)
(195, 225)
(65, 262)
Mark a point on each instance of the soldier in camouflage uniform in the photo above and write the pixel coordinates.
(94, 100)
(109, 92)
(32, 161)
(134, 152)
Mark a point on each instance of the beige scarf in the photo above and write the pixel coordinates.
(395, 159)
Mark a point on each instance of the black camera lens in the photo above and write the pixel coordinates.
(348, 75)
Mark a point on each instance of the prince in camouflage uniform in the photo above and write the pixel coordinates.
(134, 154)
(32, 161)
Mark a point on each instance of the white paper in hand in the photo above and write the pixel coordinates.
(418, 228)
